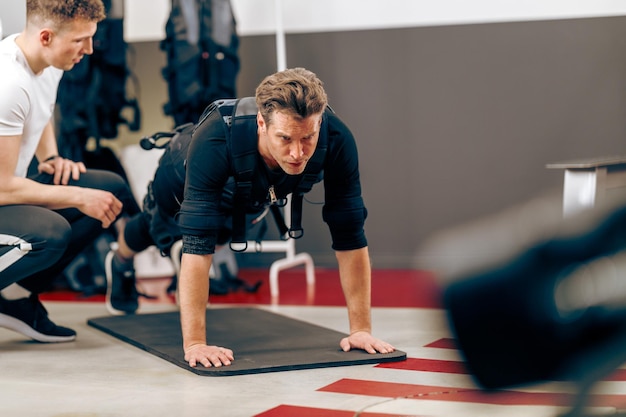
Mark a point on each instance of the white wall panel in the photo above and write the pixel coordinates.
(145, 19)
(338, 15)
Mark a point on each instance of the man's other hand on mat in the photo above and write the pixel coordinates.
(364, 340)
(208, 356)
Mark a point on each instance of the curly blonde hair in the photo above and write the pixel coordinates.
(60, 12)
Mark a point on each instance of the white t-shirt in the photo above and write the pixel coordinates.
(27, 102)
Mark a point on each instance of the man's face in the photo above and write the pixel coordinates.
(66, 47)
(288, 142)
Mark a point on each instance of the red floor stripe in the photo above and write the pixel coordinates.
(456, 367)
(618, 375)
(426, 365)
(423, 392)
(431, 365)
(443, 343)
(292, 410)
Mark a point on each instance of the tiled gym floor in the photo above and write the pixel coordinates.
(101, 376)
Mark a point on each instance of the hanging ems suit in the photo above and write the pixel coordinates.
(100, 82)
(202, 63)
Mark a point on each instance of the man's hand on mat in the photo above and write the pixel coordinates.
(208, 356)
(364, 340)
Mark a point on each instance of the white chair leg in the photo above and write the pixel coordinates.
(286, 263)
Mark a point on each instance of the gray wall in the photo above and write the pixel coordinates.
(12, 16)
(452, 122)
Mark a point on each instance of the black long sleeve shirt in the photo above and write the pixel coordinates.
(209, 186)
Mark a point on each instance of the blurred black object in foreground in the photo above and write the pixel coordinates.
(555, 310)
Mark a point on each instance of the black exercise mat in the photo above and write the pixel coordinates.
(262, 341)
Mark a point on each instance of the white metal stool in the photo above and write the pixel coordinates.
(587, 181)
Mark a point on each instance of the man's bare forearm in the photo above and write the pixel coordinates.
(355, 274)
(193, 295)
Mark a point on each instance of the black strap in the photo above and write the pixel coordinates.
(280, 221)
(296, 231)
(155, 142)
(243, 151)
(310, 177)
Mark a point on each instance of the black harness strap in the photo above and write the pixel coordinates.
(243, 151)
(310, 177)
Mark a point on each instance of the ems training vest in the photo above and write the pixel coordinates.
(239, 118)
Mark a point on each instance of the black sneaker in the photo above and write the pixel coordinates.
(122, 296)
(30, 318)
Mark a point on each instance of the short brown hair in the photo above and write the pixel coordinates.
(62, 11)
(297, 91)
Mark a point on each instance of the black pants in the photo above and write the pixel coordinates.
(36, 244)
